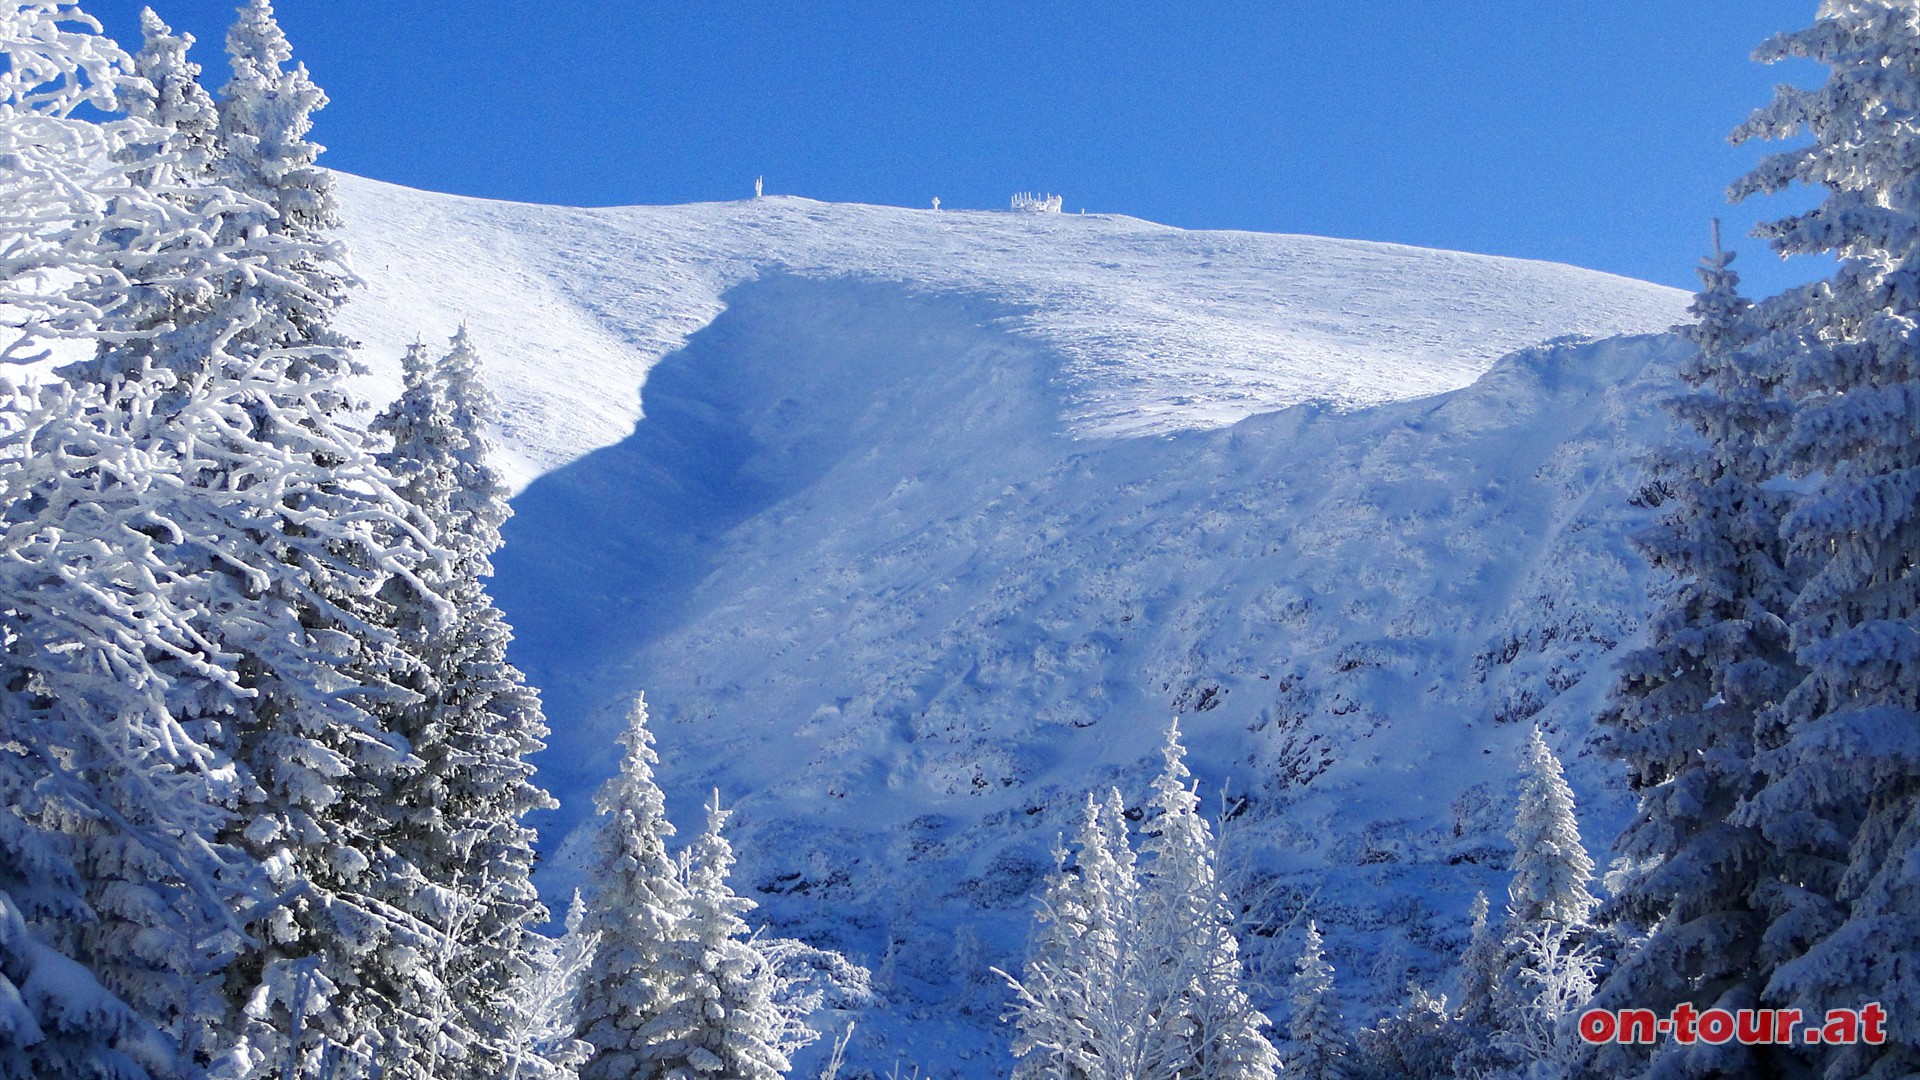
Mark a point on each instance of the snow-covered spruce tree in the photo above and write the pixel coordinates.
(718, 1014)
(459, 823)
(1203, 1024)
(1841, 767)
(57, 1020)
(266, 112)
(1318, 1050)
(164, 540)
(167, 94)
(1052, 1024)
(279, 531)
(1477, 1020)
(1684, 716)
(64, 704)
(1419, 1038)
(104, 660)
(96, 661)
(1480, 968)
(86, 225)
(1551, 868)
(1548, 968)
(1081, 1000)
(1132, 969)
(675, 987)
(335, 553)
(638, 910)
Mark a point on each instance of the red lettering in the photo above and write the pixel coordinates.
(1683, 1018)
(1753, 1027)
(1784, 1021)
(1873, 1018)
(1597, 1025)
(1716, 1026)
(1638, 1025)
(1843, 1026)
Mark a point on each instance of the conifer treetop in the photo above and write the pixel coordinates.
(1180, 832)
(167, 94)
(1551, 866)
(266, 113)
(1318, 1050)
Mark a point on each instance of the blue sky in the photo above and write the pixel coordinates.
(1584, 132)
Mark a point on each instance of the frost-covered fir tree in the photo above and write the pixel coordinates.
(64, 713)
(1548, 967)
(104, 657)
(1203, 1023)
(1081, 1002)
(329, 547)
(638, 910)
(1686, 713)
(718, 1014)
(265, 114)
(1479, 968)
(167, 94)
(1133, 969)
(1419, 1038)
(86, 227)
(1477, 1020)
(1551, 868)
(231, 610)
(56, 1020)
(677, 986)
(1318, 1050)
(280, 533)
(95, 663)
(1841, 766)
(460, 817)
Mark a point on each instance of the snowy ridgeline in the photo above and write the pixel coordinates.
(1157, 330)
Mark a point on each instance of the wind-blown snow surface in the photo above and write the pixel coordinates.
(1154, 329)
(935, 520)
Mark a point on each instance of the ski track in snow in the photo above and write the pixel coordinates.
(935, 519)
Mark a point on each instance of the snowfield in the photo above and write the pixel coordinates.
(915, 525)
(1155, 329)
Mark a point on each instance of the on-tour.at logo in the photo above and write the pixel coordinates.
(1751, 1027)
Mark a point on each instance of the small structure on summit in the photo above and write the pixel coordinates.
(1030, 203)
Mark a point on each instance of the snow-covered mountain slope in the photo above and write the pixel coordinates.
(1154, 329)
(934, 521)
